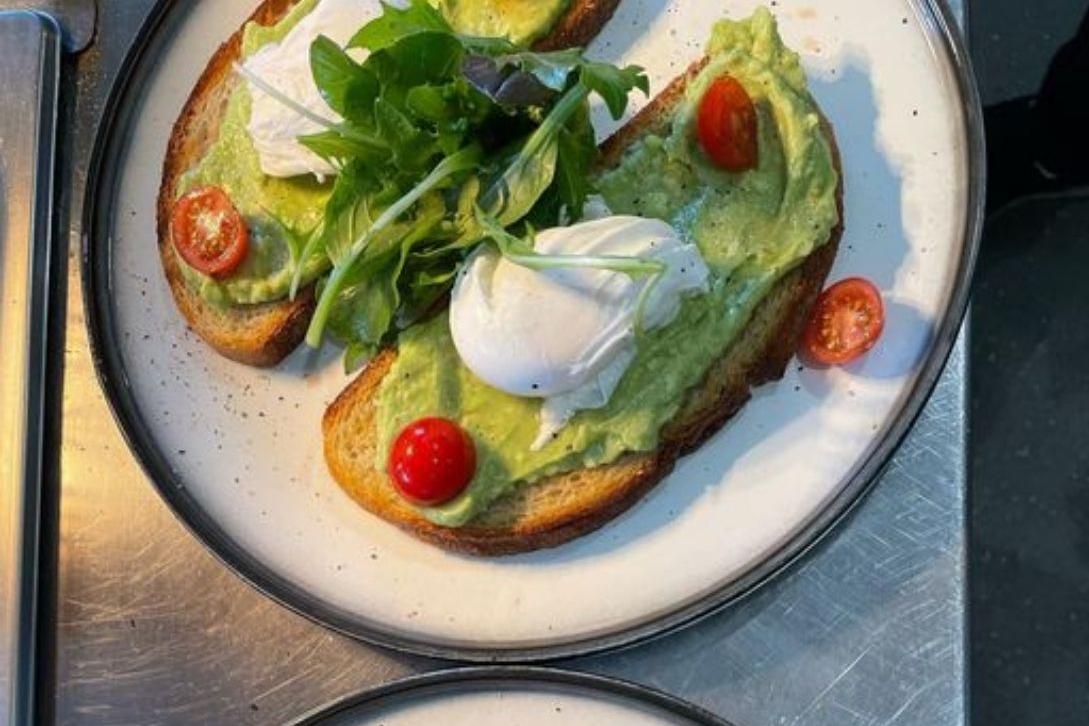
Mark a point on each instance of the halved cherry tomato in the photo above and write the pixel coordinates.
(432, 461)
(727, 125)
(846, 322)
(209, 233)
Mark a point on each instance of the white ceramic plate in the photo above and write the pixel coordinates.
(237, 452)
(504, 696)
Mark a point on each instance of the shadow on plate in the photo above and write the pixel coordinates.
(875, 243)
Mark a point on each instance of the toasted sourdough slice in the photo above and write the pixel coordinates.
(555, 510)
(263, 335)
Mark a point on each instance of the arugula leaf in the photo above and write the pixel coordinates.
(436, 275)
(433, 103)
(348, 88)
(427, 57)
(366, 305)
(489, 46)
(395, 23)
(614, 84)
(454, 109)
(355, 185)
(336, 148)
(358, 197)
(576, 154)
(520, 252)
(312, 249)
(467, 200)
(449, 167)
(523, 183)
(369, 301)
(554, 71)
(379, 126)
(424, 284)
(563, 146)
(411, 147)
(514, 194)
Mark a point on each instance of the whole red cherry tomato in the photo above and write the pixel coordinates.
(432, 461)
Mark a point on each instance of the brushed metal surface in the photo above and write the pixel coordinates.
(29, 67)
(868, 630)
(75, 17)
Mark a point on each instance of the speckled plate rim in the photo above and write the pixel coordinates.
(438, 682)
(110, 368)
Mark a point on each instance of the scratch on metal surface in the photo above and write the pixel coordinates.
(907, 704)
(850, 666)
(855, 714)
(285, 683)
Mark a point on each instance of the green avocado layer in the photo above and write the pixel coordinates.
(752, 228)
(522, 21)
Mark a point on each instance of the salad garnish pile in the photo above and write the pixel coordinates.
(447, 142)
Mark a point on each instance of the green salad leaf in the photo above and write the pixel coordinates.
(337, 147)
(370, 294)
(348, 88)
(374, 230)
(614, 84)
(395, 24)
(575, 153)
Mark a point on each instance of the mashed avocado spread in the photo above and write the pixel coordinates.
(751, 228)
(522, 21)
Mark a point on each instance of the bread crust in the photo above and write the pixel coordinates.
(579, 25)
(558, 509)
(263, 335)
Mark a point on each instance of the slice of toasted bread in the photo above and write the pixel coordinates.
(259, 335)
(263, 335)
(555, 510)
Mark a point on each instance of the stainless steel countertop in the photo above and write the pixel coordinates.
(869, 629)
(28, 72)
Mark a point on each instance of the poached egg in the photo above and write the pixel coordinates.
(285, 66)
(568, 335)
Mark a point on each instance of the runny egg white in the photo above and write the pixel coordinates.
(568, 335)
(285, 66)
